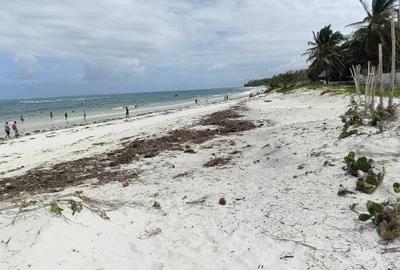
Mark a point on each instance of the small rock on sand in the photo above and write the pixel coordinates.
(156, 205)
(222, 201)
(8, 185)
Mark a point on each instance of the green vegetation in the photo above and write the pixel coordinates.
(56, 209)
(281, 80)
(353, 165)
(385, 217)
(75, 206)
(326, 54)
(351, 118)
(370, 180)
(396, 187)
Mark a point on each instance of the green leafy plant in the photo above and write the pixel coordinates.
(369, 182)
(385, 217)
(75, 206)
(351, 118)
(56, 209)
(353, 165)
(379, 117)
(396, 187)
(23, 203)
(103, 215)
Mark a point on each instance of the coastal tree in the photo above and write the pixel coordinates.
(374, 29)
(326, 53)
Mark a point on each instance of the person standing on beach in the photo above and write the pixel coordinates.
(15, 129)
(66, 116)
(195, 101)
(126, 112)
(51, 115)
(84, 115)
(7, 130)
(22, 119)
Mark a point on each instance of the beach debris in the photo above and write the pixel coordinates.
(328, 163)
(76, 172)
(286, 255)
(125, 183)
(189, 150)
(156, 205)
(198, 201)
(217, 162)
(344, 191)
(8, 185)
(386, 217)
(222, 201)
(181, 175)
(150, 233)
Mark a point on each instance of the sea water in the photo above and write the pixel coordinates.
(36, 112)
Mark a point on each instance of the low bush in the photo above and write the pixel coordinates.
(370, 180)
(386, 217)
(351, 118)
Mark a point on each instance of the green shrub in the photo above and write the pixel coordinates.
(369, 182)
(385, 217)
(379, 117)
(353, 165)
(56, 209)
(396, 187)
(352, 117)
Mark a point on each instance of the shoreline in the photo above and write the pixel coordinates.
(41, 122)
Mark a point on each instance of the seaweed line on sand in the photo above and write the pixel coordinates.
(106, 167)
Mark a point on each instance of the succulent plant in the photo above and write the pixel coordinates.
(385, 217)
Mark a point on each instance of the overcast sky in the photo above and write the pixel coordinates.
(52, 48)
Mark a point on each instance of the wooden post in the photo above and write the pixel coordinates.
(367, 83)
(372, 105)
(356, 74)
(393, 73)
(380, 107)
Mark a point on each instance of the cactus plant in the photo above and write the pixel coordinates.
(385, 217)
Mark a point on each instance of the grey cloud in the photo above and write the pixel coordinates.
(121, 38)
(27, 66)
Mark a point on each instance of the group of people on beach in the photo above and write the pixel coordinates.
(14, 127)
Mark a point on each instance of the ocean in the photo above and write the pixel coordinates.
(36, 112)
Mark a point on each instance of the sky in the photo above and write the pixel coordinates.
(82, 47)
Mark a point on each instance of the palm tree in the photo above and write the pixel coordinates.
(375, 27)
(326, 53)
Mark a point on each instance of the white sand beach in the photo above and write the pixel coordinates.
(280, 182)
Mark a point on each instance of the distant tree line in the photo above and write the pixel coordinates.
(281, 80)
